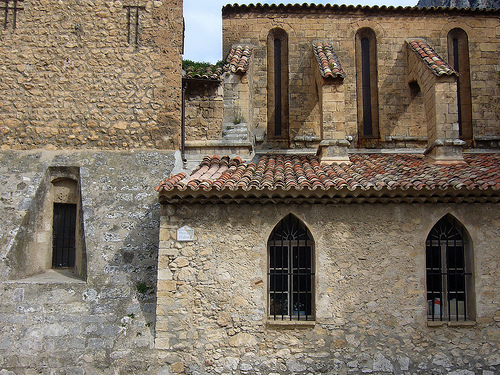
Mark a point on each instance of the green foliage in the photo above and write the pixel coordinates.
(199, 68)
(142, 288)
(200, 65)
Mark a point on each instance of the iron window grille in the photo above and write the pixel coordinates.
(291, 271)
(64, 235)
(448, 277)
(13, 8)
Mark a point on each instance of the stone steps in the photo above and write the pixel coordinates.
(234, 132)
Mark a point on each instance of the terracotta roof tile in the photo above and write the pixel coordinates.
(338, 8)
(238, 59)
(329, 64)
(435, 63)
(205, 71)
(366, 172)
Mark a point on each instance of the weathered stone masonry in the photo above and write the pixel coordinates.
(70, 79)
(370, 291)
(106, 322)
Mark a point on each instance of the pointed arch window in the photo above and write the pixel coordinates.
(277, 84)
(458, 54)
(291, 271)
(367, 83)
(449, 272)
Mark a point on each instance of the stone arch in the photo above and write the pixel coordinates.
(449, 272)
(291, 271)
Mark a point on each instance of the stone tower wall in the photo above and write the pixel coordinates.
(70, 78)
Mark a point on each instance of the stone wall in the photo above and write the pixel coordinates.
(204, 102)
(370, 291)
(401, 116)
(54, 322)
(69, 77)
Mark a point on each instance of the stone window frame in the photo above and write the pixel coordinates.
(66, 191)
(458, 57)
(367, 66)
(31, 253)
(274, 102)
(454, 232)
(304, 240)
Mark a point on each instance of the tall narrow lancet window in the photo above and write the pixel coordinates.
(458, 54)
(291, 271)
(277, 84)
(449, 272)
(367, 83)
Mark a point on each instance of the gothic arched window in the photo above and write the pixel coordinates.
(449, 272)
(291, 271)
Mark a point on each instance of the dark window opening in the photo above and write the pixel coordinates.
(291, 271)
(458, 54)
(367, 85)
(456, 66)
(12, 7)
(277, 85)
(64, 235)
(414, 89)
(448, 268)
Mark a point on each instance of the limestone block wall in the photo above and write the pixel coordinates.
(104, 323)
(203, 111)
(70, 77)
(370, 291)
(400, 114)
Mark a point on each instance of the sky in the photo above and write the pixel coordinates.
(203, 18)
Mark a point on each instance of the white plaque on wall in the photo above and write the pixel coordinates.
(185, 233)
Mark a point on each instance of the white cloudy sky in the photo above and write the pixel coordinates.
(203, 38)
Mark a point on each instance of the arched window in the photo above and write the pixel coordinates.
(291, 271)
(277, 84)
(449, 272)
(367, 83)
(458, 54)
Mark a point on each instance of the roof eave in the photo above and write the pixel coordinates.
(330, 196)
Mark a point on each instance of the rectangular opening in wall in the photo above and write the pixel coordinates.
(64, 233)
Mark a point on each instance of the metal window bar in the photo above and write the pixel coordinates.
(291, 271)
(63, 235)
(133, 23)
(447, 276)
(14, 8)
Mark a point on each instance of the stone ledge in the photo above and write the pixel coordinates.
(466, 323)
(290, 324)
(51, 276)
